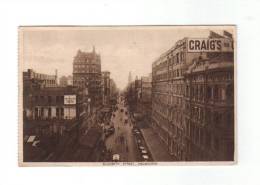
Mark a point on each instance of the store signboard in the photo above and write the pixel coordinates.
(210, 45)
(69, 99)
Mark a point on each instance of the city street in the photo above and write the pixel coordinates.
(122, 141)
(178, 107)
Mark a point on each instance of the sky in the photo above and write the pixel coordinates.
(122, 49)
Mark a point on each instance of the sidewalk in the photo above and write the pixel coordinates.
(157, 148)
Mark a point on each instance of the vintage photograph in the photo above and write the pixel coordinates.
(127, 95)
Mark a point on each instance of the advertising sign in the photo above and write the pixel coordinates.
(69, 99)
(210, 45)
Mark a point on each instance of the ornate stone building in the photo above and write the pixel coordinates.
(145, 99)
(209, 109)
(87, 74)
(169, 102)
(167, 97)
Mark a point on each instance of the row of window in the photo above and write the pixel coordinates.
(160, 119)
(83, 66)
(176, 89)
(174, 100)
(175, 143)
(196, 92)
(160, 87)
(213, 92)
(86, 71)
(176, 117)
(170, 61)
(160, 98)
(172, 74)
(39, 112)
(218, 119)
(48, 99)
(162, 76)
(177, 59)
(51, 82)
(202, 137)
(51, 130)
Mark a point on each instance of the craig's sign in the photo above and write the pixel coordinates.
(210, 45)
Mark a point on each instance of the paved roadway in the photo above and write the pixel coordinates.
(122, 141)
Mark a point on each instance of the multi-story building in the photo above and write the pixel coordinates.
(167, 97)
(31, 79)
(44, 100)
(133, 98)
(87, 74)
(146, 97)
(113, 91)
(209, 109)
(146, 88)
(168, 89)
(105, 83)
(51, 115)
(35, 81)
(53, 103)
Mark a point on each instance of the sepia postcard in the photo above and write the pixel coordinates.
(127, 95)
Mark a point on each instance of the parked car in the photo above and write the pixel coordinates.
(139, 141)
(135, 130)
(145, 157)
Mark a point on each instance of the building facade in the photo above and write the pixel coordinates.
(87, 74)
(52, 116)
(105, 87)
(168, 95)
(146, 88)
(209, 109)
(114, 91)
(145, 100)
(52, 103)
(31, 79)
